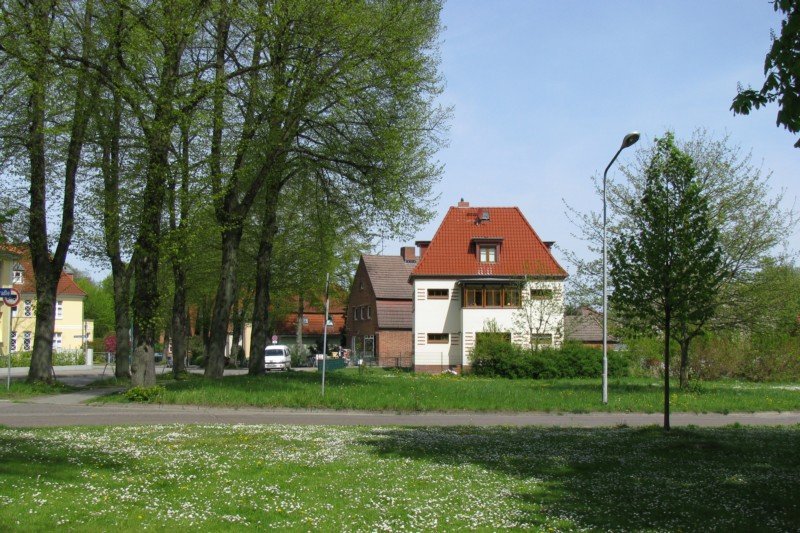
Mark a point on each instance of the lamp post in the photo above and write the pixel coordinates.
(629, 140)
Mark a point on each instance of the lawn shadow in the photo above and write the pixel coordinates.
(26, 456)
(621, 478)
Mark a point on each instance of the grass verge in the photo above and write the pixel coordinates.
(395, 391)
(21, 389)
(222, 478)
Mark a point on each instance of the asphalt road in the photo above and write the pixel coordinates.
(69, 410)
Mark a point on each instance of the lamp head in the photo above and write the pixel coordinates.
(630, 139)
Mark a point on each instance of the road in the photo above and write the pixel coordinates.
(69, 410)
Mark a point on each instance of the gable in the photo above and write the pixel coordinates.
(519, 250)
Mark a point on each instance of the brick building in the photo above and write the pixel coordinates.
(379, 312)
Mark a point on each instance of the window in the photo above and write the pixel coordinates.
(438, 294)
(60, 309)
(12, 342)
(511, 297)
(369, 312)
(57, 341)
(17, 277)
(487, 254)
(438, 338)
(361, 285)
(491, 296)
(542, 339)
(357, 313)
(541, 294)
(26, 341)
(305, 320)
(27, 309)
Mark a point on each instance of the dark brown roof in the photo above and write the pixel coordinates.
(585, 327)
(389, 276)
(394, 314)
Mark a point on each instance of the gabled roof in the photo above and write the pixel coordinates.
(394, 314)
(66, 283)
(388, 275)
(521, 251)
(585, 327)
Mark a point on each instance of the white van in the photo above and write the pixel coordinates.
(277, 357)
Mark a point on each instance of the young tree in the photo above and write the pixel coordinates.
(782, 82)
(541, 313)
(665, 270)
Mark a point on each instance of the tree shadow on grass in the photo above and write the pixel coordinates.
(26, 456)
(633, 479)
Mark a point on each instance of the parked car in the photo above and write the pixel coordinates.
(277, 357)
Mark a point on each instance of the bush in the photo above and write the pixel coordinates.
(498, 357)
(145, 394)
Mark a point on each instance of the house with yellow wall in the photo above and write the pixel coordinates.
(7, 260)
(70, 327)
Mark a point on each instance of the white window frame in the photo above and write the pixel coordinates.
(27, 308)
(57, 341)
(26, 341)
(12, 342)
(59, 309)
(17, 278)
(487, 253)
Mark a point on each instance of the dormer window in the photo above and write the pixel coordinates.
(487, 253)
(487, 249)
(16, 277)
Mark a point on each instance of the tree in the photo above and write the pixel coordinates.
(750, 221)
(541, 312)
(47, 108)
(98, 306)
(782, 83)
(665, 271)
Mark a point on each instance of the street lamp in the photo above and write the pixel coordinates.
(629, 140)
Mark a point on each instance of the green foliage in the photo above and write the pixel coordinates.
(62, 358)
(782, 83)
(98, 306)
(145, 394)
(667, 267)
(496, 357)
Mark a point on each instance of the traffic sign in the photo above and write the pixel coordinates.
(274, 339)
(9, 295)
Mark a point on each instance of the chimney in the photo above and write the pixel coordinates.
(549, 244)
(408, 253)
(423, 245)
(462, 203)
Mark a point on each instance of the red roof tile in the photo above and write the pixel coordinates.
(66, 284)
(288, 326)
(521, 251)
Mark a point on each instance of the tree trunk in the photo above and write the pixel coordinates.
(226, 294)
(121, 275)
(299, 329)
(180, 321)
(47, 271)
(667, 318)
(684, 377)
(258, 337)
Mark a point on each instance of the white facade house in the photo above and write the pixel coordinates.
(485, 270)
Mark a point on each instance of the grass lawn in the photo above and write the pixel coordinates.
(21, 390)
(221, 478)
(382, 390)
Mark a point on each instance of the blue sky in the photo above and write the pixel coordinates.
(544, 91)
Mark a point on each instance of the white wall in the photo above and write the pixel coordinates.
(447, 316)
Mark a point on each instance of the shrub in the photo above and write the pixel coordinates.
(498, 357)
(145, 394)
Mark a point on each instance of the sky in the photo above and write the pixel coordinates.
(544, 91)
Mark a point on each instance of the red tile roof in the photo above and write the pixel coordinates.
(521, 251)
(288, 326)
(66, 284)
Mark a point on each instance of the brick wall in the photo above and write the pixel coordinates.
(394, 348)
(436, 369)
(361, 295)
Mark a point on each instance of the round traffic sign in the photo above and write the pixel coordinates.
(10, 297)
